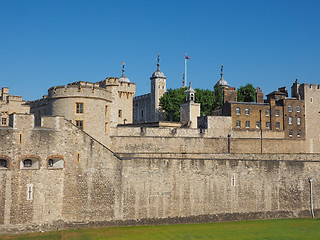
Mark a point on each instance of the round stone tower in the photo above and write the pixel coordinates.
(85, 104)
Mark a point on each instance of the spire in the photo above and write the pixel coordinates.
(158, 60)
(123, 69)
(222, 82)
(158, 73)
(123, 78)
(221, 69)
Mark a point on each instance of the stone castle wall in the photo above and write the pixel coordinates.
(98, 187)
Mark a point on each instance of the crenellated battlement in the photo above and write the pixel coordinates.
(127, 87)
(79, 89)
(142, 96)
(110, 81)
(39, 102)
(312, 86)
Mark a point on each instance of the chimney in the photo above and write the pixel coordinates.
(259, 96)
(229, 95)
(295, 90)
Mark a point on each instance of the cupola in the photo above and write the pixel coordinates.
(158, 73)
(123, 78)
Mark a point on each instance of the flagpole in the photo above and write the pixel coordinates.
(185, 68)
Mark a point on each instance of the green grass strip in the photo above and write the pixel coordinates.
(261, 229)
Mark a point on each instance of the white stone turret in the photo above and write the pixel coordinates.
(190, 111)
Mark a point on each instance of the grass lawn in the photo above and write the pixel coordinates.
(263, 229)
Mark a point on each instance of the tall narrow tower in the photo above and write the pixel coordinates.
(158, 88)
(190, 111)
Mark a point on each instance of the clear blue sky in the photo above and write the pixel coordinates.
(267, 43)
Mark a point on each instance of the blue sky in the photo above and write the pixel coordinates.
(49, 42)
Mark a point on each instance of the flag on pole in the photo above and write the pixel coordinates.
(186, 57)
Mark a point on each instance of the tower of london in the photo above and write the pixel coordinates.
(93, 154)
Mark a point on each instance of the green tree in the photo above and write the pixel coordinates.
(173, 98)
(218, 97)
(170, 102)
(246, 93)
(206, 99)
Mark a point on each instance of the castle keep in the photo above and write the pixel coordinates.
(92, 154)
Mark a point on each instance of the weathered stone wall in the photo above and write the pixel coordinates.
(97, 187)
(86, 188)
(173, 185)
(311, 96)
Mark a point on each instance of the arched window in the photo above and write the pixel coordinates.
(30, 162)
(55, 162)
(3, 163)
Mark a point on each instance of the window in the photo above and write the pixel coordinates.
(277, 113)
(107, 128)
(29, 191)
(257, 124)
(55, 162)
(79, 124)
(298, 121)
(30, 163)
(142, 113)
(267, 112)
(298, 108)
(120, 113)
(79, 108)
(27, 163)
(50, 163)
(290, 120)
(290, 132)
(233, 181)
(247, 124)
(277, 125)
(20, 137)
(290, 108)
(310, 99)
(3, 163)
(106, 111)
(238, 112)
(4, 121)
(238, 124)
(299, 133)
(247, 111)
(267, 125)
